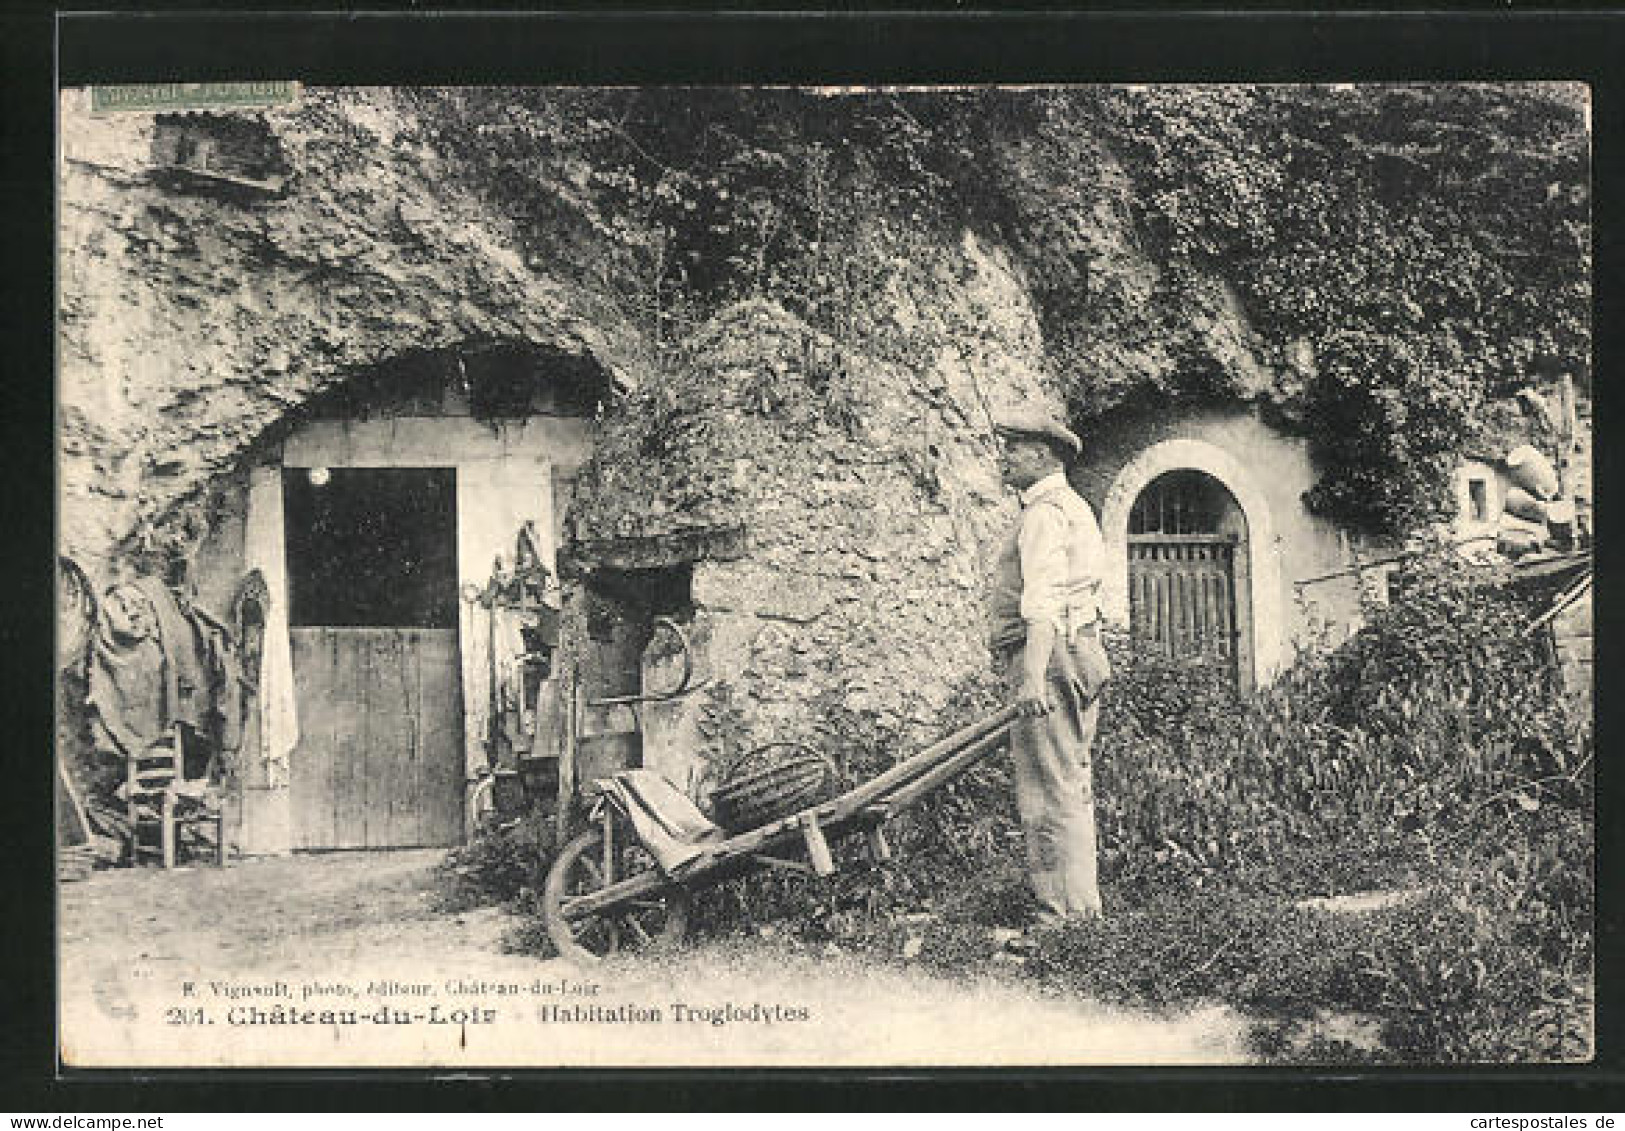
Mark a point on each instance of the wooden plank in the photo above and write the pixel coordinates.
(428, 741)
(1214, 587)
(327, 801)
(1148, 608)
(387, 755)
(409, 823)
(300, 778)
(390, 773)
(351, 675)
(1164, 635)
(879, 847)
(440, 722)
(1187, 608)
(1157, 542)
(1136, 599)
(950, 768)
(1202, 591)
(569, 690)
(818, 853)
(370, 729)
(378, 694)
(782, 864)
(310, 762)
(1171, 584)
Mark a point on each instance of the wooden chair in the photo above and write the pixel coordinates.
(157, 796)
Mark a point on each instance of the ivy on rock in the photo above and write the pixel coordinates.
(1378, 263)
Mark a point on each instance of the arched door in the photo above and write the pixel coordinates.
(1186, 547)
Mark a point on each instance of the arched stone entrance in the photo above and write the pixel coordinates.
(377, 519)
(1200, 532)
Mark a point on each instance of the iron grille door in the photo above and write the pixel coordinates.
(1182, 595)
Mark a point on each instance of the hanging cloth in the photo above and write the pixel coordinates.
(128, 697)
(668, 824)
(263, 551)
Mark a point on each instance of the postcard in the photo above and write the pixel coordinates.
(807, 576)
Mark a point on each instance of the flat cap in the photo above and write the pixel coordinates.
(1025, 420)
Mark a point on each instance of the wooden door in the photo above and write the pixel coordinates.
(372, 580)
(380, 760)
(1182, 565)
(1182, 596)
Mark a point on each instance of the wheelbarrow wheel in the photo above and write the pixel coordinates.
(656, 920)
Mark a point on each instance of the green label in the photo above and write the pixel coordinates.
(192, 95)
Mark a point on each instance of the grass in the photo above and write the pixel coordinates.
(1462, 970)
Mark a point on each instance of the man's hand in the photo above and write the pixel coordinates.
(1031, 700)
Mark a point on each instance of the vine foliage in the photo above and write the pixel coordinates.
(1376, 263)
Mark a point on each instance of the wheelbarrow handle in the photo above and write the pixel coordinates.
(927, 759)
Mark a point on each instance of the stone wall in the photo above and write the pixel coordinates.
(867, 500)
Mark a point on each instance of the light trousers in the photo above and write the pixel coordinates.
(1054, 788)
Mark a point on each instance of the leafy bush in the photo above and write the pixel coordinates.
(500, 865)
(1391, 422)
(1354, 765)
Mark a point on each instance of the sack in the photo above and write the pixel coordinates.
(1522, 504)
(1090, 666)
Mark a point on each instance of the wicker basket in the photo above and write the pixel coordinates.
(753, 799)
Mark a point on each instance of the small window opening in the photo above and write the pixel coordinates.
(1179, 503)
(1478, 499)
(216, 152)
(622, 606)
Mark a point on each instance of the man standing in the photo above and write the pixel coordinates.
(1045, 635)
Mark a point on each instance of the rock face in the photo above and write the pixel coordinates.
(866, 497)
(198, 311)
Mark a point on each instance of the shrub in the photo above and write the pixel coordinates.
(501, 864)
(1356, 765)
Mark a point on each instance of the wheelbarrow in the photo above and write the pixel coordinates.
(605, 893)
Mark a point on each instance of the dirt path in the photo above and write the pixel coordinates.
(346, 960)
